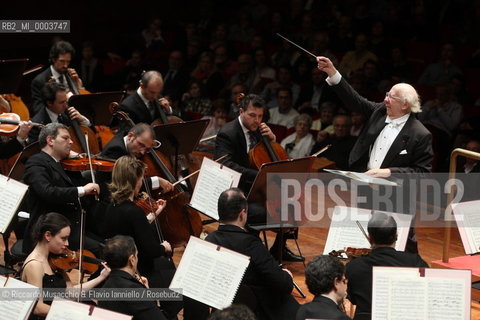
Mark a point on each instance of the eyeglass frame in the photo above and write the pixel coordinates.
(390, 96)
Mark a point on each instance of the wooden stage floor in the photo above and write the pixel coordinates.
(312, 240)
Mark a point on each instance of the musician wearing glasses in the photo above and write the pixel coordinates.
(393, 140)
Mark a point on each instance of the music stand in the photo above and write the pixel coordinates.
(180, 138)
(11, 74)
(18, 167)
(265, 178)
(95, 106)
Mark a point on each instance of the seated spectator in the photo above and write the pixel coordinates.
(441, 71)
(300, 143)
(217, 120)
(207, 72)
(341, 142)
(358, 122)
(284, 79)
(283, 114)
(354, 60)
(324, 123)
(325, 279)
(195, 100)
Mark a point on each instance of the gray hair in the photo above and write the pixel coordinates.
(303, 117)
(50, 130)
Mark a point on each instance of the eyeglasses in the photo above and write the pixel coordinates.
(389, 95)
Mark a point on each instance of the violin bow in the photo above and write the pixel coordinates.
(363, 230)
(195, 172)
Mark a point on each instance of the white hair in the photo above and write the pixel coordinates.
(410, 96)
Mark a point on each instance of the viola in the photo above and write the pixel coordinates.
(351, 252)
(70, 260)
(10, 122)
(146, 203)
(83, 164)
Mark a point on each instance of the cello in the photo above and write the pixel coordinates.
(265, 151)
(177, 221)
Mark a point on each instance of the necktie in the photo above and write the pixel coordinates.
(61, 79)
(61, 119)
(252, 139)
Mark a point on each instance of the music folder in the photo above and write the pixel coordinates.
(11, 74)
(96, 106)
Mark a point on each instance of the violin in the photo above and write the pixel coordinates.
(146, 203)
(351, 252)
(69, 260)
(10, 122)
(83, 164)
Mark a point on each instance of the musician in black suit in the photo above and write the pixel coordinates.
(121, 255)
(325, 278)
(139, 139)
(51, 189)
(393, 140)
(235, 139)
(61, 55)
(54, 109)
(382, 234)
(265, 279)
(144, 105)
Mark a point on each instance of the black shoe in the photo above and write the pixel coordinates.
(287, 255)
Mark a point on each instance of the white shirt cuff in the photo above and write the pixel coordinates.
(81, 192)
(155, 182)
(335, 79)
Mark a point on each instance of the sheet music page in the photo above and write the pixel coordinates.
(362, 177)
(446, 299)
(11, 195)
(209, 275)
(401, 293)
(344, 231)
(15, 309)
(62, 309)
(468, 221)
(381, 288)
(213, 179)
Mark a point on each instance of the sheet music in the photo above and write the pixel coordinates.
(468, 221)
(11, 195)
(15, 309)
(213, 179)
(344, 232)
(401, 293)
(209, 273)
(66, 309)
(362, 177)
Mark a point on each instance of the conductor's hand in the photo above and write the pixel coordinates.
(326, 65)
(167, 246)
(91, 188)
(379, 173)
(266, 131)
